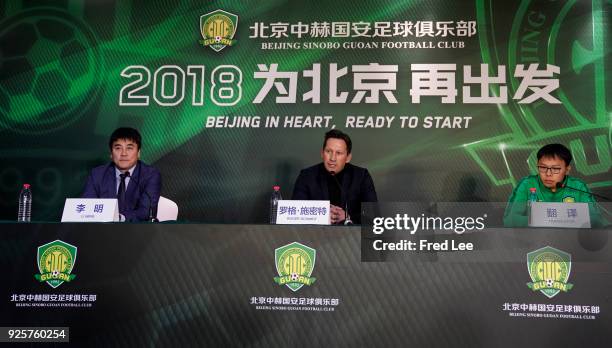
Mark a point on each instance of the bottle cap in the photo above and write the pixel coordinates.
(532, 190)
(276, 188)
(26, 186)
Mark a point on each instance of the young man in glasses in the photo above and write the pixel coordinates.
(551, 184)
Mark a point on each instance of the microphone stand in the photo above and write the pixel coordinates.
(152, 216)
(560, 185)
(347, 216)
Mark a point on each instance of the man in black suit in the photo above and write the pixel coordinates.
(336, 180)
(136, 185)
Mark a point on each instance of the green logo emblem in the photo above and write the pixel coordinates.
(582, 121)
(55, 262)
(549, 269)
(51, 74)
(294, 264)
(218, 29)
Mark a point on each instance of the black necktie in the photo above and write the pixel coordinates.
(121, 191)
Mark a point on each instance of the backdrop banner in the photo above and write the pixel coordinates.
(444, 100)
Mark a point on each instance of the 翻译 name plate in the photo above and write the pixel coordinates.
(564, 215)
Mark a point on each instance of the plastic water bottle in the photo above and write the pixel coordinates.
(533, 197)
(25, 204)
(276, 196)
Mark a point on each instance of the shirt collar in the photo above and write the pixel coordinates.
(339, 174)
(131, 170)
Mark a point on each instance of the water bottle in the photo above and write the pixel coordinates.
(25, 204)
(276, 196)
(533, 197)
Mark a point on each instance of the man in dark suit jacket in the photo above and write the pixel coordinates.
(336, 180)
(136, 185)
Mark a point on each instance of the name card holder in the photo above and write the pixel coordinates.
(91, 210)
(564, 215)
(297, 212)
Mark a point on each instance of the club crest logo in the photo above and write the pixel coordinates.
(568, 199)
(549, 269)
(55, 262)
(294, 264)
(218, 29)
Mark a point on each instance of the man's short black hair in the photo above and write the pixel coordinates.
(337, 134)
(126, 133)
(556, 150)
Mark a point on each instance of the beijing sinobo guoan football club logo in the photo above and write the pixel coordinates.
(573, 35)
(294, 264)
(218, 29)
(549, 269)
(55, 263)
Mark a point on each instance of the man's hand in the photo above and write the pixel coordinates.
(337, 214)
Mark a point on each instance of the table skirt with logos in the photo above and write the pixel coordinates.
(132, 285)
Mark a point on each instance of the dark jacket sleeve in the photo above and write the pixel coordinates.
(90, 188)
(300, 189)
(368, 193)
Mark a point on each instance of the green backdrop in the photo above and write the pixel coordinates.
(64, 66)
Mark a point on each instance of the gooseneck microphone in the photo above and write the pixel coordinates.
(562, 185)
(152, 215)
(347, 216)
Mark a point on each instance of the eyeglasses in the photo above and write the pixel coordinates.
(544, 169)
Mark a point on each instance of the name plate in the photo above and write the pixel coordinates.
(90, 210)
(567, 215)
(295, 212)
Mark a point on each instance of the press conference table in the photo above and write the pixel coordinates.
(206, 284)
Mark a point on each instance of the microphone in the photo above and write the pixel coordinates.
(561, 185)
(152, 215)
(347, 217)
